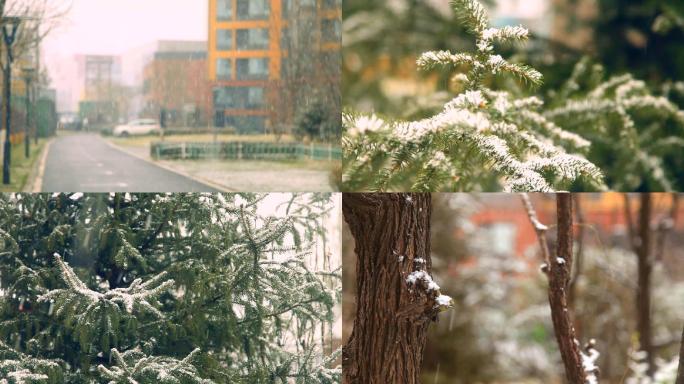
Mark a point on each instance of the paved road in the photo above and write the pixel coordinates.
(86, 163)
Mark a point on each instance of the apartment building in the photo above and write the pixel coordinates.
(250, 44)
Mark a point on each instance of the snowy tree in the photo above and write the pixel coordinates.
(482, 139)
(396, 297)
(636, 135)
(175, 288)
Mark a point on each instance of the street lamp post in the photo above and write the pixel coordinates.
(9, 33)
(28, 77)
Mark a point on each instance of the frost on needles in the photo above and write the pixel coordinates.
(167, 288)
(96, 316)
(637, 136)
(482, 139)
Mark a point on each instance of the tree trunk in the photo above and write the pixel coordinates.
(579, 257)
(559, 278)
(392, 236)
(645, 265)
(680, 372)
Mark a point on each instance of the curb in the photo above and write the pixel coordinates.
(208, 183)
(35, 185)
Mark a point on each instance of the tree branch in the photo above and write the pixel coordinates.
(539, 228)
(558, 273)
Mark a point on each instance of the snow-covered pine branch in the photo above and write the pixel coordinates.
(251, 287)
(481, 140)
(634, 133)
(135, 367)
(17, 367)
(96, 317)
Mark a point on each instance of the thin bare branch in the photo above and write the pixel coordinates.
(539, 228)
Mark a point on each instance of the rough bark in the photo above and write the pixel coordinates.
(392, 236)
(645, 267)
(559, 278)
(680, 372)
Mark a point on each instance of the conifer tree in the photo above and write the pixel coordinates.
(636, 135)
(482, 139)
(169, 288)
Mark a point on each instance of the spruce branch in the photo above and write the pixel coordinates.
(471, 14)
(135, 367)
(22, 368)
(94, 317)
(634, 131)
(525, 149)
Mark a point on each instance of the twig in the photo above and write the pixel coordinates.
(539, 228)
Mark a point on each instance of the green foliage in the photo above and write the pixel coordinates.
(158, 276)
(317, 122)
(135, 367)
(645, 38)
(636, 136)
(19, 368)
(481, 140)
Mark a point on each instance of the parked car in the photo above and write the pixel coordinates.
(137, 127)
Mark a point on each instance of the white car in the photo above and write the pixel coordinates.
(137, 127)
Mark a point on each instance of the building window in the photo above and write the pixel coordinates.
(284, 69)
(224, 39)
(255, 97)
(224, 69)
(247, 124)
(332, 30)
(250, 69)
(331, 63)
(224, 10)
(253, 9)
(284, 38)
(287, 5)
(331, 4)
(252, 39)
(239, 98)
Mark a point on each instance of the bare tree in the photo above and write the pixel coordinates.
(579, 368)
(38, 19)
(641, 240)
(309, 73)
(396, 298)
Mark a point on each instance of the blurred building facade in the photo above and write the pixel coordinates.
(176, 81)
(604, 214)
(254, 46)
(99, 77)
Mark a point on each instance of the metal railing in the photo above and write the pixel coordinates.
(239, 150)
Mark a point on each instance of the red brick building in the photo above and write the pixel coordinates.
(176, 80)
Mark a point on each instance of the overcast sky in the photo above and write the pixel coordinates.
(115, 26)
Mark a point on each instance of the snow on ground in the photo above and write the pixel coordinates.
(262, 176)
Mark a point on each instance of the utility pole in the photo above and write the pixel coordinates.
(9, 33)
